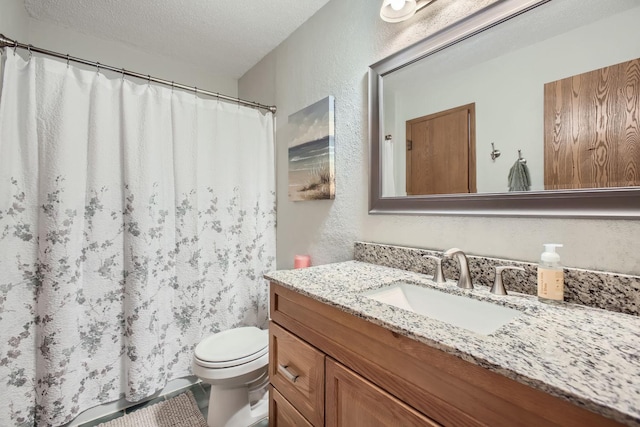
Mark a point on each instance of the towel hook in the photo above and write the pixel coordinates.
(494, 153)
(520, 158)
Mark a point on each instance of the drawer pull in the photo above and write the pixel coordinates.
(284, 370)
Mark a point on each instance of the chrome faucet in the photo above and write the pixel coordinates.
(465, 275)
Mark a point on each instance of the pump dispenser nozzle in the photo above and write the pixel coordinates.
(550, 255)
(551, 247)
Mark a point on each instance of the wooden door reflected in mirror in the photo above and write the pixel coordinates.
(441, 152)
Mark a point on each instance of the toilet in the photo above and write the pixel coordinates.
(235, 363)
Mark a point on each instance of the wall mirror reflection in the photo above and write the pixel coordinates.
(546, 103)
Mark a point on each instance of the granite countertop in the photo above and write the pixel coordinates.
(588, 356)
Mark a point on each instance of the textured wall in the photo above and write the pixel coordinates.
(16, 24)
(330, 55)
(226, 35)
(53, 37)
(14, 21)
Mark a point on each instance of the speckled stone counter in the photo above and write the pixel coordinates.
(588, 356)
(599, 289)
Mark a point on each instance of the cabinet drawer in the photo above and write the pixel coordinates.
(296, 370)
(282, 413)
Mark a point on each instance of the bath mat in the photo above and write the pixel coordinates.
(179, 411)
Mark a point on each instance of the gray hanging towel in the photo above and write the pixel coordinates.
(519, 179)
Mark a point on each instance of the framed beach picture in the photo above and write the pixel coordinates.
(311, 152)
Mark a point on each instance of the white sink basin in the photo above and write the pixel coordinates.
(477, 316)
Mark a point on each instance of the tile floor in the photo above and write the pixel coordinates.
(200, 393)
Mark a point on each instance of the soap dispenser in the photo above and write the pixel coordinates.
(550, 275)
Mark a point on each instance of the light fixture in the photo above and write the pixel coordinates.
(401, 10)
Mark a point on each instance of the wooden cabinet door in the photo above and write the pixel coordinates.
(282, 413)
(296, 370)
(591, 136)
(352, 401)
(441, 152)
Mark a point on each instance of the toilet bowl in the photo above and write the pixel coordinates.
(235, 363)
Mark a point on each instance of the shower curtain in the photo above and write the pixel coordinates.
(388, 169)
(134, 220)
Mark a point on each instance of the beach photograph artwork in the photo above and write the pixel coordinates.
(311, 152)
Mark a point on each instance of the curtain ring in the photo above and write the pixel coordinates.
(195, 89)
(67, 60)
(148, 80)
(15, 47)
(122, 74)
(98, 67)
(30, 53)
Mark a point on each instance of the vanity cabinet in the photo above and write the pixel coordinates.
(329, 367)
(283, 414)
(296, 370)
(354, 401)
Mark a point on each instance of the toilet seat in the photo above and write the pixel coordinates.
(232, 347)
(235, 363)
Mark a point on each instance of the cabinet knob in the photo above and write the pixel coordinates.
(284, 370)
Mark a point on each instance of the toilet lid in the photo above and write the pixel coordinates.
(233, 344)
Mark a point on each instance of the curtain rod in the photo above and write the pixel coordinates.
(7, 42)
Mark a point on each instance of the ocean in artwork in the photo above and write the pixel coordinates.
(311, 153)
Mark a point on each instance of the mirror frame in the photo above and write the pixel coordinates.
(615, 202)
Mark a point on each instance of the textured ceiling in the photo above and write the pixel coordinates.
(226, 36)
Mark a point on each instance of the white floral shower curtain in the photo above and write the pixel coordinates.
(133, 221)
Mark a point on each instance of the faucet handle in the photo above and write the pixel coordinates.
(498, 286)
(438, 274)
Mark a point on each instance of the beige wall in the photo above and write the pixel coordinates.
(14, 21)
(119, 55)
(330, 55)
(16, 24)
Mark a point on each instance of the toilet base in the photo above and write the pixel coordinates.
(230, 407)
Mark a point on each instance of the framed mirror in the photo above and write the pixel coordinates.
(526, 108)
